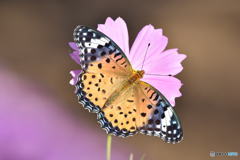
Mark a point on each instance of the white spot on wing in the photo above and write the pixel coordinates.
(98, 41)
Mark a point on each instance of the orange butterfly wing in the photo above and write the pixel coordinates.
(156, 115)
(104, 68)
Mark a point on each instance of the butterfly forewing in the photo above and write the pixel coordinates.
(105, 68)
(94, 45)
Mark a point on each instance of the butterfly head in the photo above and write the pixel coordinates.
(136, 76)
(140, 74)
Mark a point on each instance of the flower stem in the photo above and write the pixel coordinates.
(131, 157)
(143, 156)
(109, 143)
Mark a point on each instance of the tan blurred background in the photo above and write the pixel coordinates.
(33, 43)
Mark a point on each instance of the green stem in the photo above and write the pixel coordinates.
(143, 156)
(109, 143)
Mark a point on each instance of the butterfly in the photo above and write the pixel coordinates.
(111, 88)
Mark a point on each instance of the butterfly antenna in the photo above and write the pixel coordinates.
(145, 56)
(156, 74)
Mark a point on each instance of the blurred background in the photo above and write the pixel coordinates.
(39, 115)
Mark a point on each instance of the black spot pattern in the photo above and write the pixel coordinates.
(163, 122)
(103, 53)
(149, 106)
(167, 127)
(93, 51)
(143, 114)
(100, 66)
(93, 58)
(129, 100)
(156, 111)
(108, 60)
(94, 45)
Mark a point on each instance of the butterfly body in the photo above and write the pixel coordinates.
(125, 85)
(110, 87)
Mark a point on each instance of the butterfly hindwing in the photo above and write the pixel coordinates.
(157, 117)
(120, 113)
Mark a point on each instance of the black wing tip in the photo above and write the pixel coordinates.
(78, 27)
(174, 140)
(78, 30)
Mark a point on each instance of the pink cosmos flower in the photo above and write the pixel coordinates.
(160, 64)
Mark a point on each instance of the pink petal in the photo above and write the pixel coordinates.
(147, 44)
(74, 74)
(169, 86)
(165, 63)
(75, 56)
(73, 45)
(117, 31)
